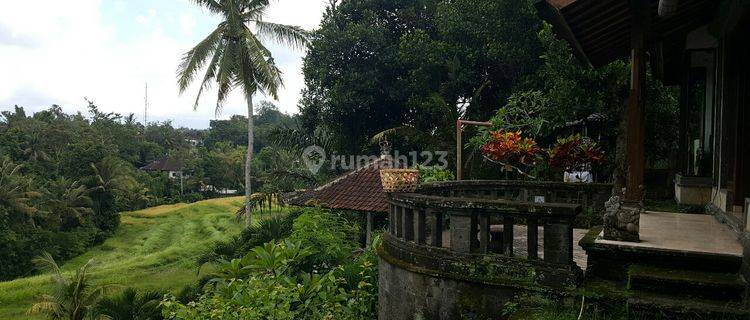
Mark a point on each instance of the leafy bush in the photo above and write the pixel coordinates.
(334, 237)
(434, 174)
(306, 276)
(266, 230)
(130, 304)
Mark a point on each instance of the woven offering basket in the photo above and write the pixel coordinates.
(399, 180)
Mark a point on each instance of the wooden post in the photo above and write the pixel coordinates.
(459, 149)
(370, 222)
(636, 128)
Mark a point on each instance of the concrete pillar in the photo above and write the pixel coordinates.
(436, 227)
(419, 228)
(461, 232)
(558, 242)
(408, 225)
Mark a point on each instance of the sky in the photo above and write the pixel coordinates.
(64, 52)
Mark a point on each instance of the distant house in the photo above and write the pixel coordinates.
(173, 167)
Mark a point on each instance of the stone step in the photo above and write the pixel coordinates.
(715, 286)
(647, 305)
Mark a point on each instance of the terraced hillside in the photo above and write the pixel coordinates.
(154, 248)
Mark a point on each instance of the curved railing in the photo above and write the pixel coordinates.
(445, 227)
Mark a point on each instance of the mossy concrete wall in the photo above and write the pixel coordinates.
(406, 295)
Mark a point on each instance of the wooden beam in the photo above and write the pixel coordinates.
(636, 160)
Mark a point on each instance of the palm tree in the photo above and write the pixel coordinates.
(131, 305)
(14, 194)
(110, 177)
(67, 201)
(237, 58)
(71, 298)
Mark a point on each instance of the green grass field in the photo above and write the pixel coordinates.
(154, 248)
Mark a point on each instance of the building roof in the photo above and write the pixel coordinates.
(358, 190)
(599, 30)
(164, 164)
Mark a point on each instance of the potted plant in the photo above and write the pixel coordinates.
(575, 155)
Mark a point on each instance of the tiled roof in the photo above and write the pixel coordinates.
(164, 164)
(358, 190)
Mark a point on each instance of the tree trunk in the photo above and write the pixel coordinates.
(248, 163)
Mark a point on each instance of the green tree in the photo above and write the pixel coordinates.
(66, 202)
(110, 176)
(71, 298)
(14, 194)
(238, 58)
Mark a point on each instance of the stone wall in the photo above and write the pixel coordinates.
(406, 295)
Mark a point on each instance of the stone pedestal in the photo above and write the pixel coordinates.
(621, 220)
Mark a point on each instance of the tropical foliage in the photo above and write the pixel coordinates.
(72, 298)
(574, 153)
(311, 274)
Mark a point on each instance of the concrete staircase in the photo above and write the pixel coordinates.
(686, 292)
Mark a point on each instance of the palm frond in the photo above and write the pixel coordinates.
(211, 5)
(292, 36)
(193, 60)
(211, 72)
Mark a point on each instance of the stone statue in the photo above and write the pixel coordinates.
(621, 220)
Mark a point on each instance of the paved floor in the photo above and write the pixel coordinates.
(693, 233)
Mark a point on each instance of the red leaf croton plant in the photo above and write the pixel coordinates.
(509, 147)
(574, 153)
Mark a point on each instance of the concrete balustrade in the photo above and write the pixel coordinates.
(419, 217)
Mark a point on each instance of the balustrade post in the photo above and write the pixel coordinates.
(484, 233)
(461, 231)
(392, 219)
(399, 221)
(436, 227)
(508, 236)
(533, 238)
(419, 231)
(558, 241)
(408, 232)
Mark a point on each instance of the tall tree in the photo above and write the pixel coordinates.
(237, 58)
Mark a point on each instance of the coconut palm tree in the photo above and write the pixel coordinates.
(14, 194)
(237, 57)
(67, 202)
(71, 298)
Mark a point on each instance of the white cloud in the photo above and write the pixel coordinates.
(71, 52)
(187, 23)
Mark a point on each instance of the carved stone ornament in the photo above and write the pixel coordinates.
(621, 220)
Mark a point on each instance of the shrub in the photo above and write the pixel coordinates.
(130, 304)
(266, 230)
(331, 235)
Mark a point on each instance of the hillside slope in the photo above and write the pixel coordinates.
(154, 248)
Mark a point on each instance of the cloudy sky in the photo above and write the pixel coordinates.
(61, 52)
